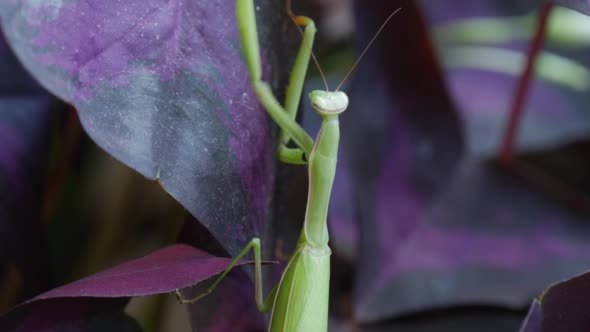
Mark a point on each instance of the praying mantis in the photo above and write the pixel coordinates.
(299, 302)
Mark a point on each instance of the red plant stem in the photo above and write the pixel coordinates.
(522, 89)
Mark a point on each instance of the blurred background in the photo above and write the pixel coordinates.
(439, 222)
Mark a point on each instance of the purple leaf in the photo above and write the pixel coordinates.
(562, 307)
(163, 271)
(161, 85)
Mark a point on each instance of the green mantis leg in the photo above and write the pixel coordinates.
(284, 117)
(262, 304)
(299, 70)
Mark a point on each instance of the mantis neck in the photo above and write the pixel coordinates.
(322, 168)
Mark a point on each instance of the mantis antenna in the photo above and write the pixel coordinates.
(367, 47)
(292, 16)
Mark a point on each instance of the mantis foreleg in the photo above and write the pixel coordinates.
(284, 117)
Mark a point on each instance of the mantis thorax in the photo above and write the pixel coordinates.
(328, 102)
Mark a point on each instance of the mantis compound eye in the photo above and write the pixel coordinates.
(328, 102)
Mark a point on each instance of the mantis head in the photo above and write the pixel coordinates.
(328, 102)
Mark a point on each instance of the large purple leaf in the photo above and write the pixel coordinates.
(163, 271)
(438, 226)
(563, 306)
(161, 86)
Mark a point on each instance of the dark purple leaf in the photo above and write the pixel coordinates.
(564, 306)
(161, 85)
(439, 227)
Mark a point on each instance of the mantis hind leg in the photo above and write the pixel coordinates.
(283, 116)
(262, 304)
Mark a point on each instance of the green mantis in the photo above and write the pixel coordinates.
(299, 302)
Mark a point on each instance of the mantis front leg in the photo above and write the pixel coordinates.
(284, 117)
(262, 304)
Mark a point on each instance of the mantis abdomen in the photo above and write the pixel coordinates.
(301, 303)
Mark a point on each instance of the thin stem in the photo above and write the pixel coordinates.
(522, 89)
